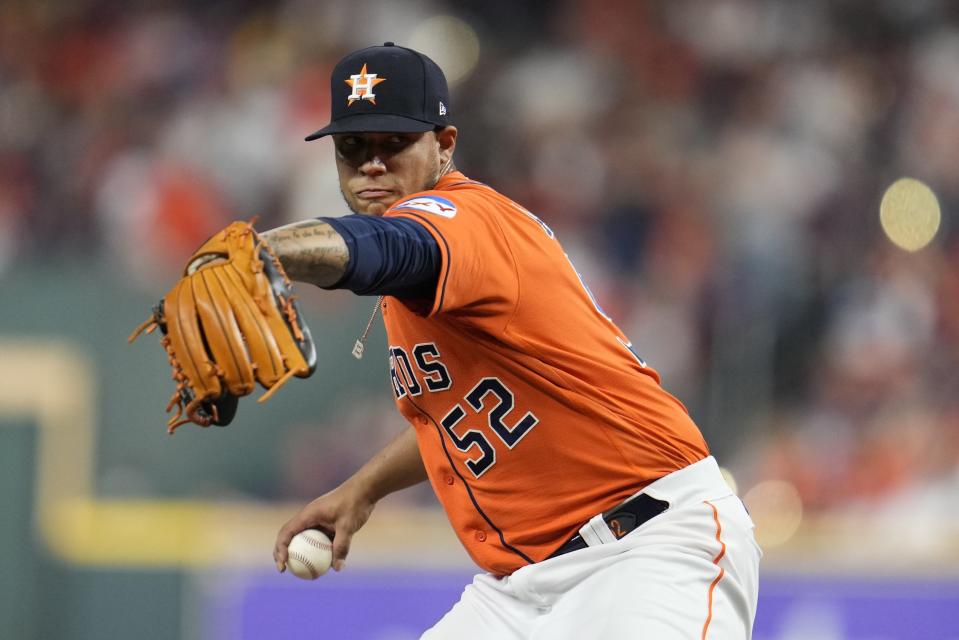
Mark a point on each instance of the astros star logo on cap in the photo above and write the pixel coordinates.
(362, 84)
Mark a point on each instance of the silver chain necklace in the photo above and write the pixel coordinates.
(359, 346)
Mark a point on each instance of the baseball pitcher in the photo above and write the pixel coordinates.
(580, 487)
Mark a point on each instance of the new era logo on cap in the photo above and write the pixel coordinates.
(389, 89)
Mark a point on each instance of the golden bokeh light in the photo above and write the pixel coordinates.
(451, 42)
(909, 214)
(730, 480)
(777, 511)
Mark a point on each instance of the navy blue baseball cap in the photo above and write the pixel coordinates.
(388, 89)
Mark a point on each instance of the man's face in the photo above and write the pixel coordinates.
(378, 169)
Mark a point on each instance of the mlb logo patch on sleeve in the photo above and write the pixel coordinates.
(430, 204)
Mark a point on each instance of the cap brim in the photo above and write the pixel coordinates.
(373, 123)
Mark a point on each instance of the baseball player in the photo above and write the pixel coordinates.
(580, 487)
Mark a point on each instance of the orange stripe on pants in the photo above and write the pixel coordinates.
(722, 572)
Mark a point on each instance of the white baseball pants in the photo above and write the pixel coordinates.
(689, 573)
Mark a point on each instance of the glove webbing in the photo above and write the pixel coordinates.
(182, 387)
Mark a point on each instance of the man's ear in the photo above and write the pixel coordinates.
(446, 137)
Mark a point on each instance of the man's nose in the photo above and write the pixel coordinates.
(373, 166)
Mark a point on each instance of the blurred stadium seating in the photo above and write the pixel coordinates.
(713, 168)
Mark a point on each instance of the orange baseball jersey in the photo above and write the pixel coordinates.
(532, 411)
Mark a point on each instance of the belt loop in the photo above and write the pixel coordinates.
(596, 532)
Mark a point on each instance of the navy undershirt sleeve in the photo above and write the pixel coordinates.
(388, 256)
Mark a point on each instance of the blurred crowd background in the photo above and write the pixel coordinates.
(713, 168)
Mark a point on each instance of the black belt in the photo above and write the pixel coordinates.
(621, 520)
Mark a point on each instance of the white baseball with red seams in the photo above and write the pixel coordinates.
(310, 554)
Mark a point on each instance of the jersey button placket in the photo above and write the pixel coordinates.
(481, 536)
(449, 479)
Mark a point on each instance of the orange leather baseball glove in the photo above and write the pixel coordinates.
(230, 321)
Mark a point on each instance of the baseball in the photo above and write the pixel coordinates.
(310, 554)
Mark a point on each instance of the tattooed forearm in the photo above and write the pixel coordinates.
(311, 251)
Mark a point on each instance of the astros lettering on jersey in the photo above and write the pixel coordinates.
(529, 423)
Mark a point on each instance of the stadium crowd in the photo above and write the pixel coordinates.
(714, 170)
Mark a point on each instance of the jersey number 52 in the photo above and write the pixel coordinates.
(492, 396)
